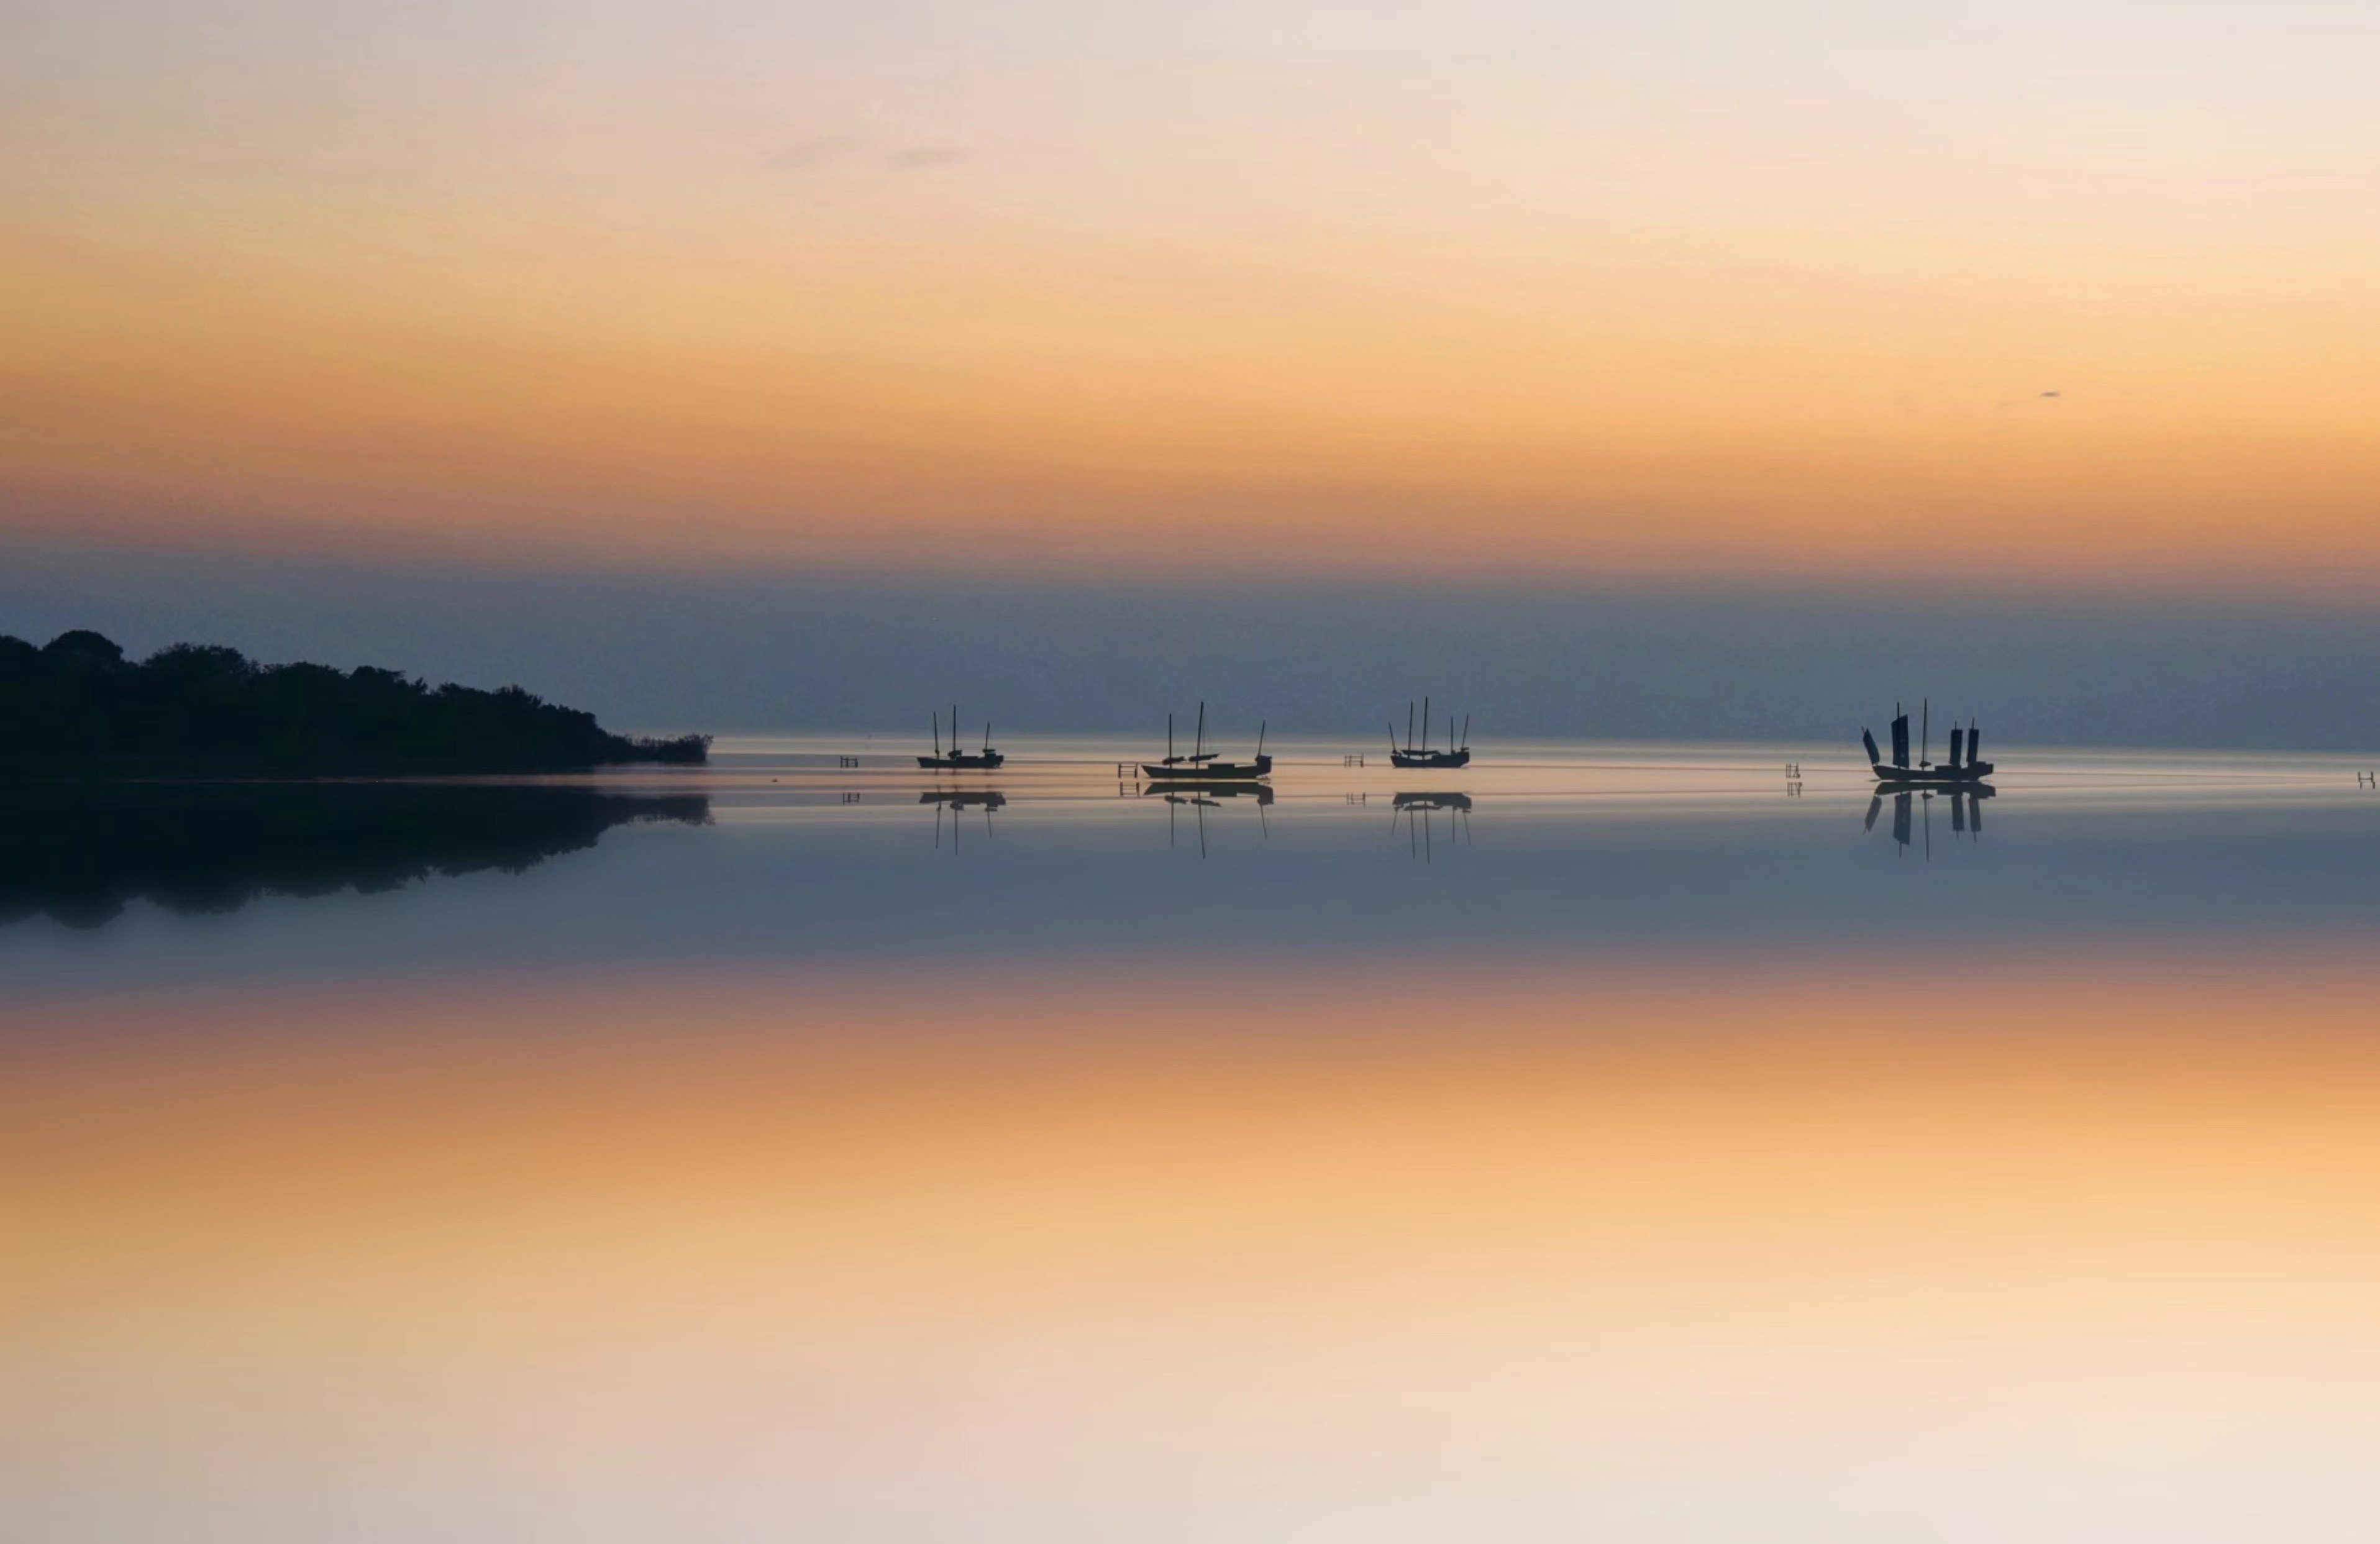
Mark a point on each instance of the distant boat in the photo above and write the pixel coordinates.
(955, 759)
(1456, 754)
(1203, 765)
(1965, 766)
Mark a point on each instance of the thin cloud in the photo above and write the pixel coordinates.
(809, 155)
(919, 157)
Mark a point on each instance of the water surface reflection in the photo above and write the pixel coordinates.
(1682, 1163)
(2082, 1249)
(79, 853)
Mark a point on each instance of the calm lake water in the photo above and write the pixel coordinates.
(1639, 1143)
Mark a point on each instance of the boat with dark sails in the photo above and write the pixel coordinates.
(955, 759)
(1203, 765)
(1965, 766)
(1456, 754)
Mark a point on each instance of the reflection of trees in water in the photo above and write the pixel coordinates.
(79, 854)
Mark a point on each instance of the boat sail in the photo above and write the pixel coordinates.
(1963, 767)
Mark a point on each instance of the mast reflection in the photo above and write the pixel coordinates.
(1909, 827)
(1418, 811)
(1199, 797)
(957, 802)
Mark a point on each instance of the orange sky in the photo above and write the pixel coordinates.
(1675, 290)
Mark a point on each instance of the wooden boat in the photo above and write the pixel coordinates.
(1456, 754)
(1203, 765)
(1964, 767)
(955, 759)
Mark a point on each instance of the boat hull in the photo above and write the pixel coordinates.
(1208, 771)
(1440, 760)
(1931, 777)
(982, 761)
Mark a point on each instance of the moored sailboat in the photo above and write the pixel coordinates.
(1203, 765)
(1456, 754)
(1965, 766)
(955, 759)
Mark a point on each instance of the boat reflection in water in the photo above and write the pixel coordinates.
(984, 799)
(1183, 791)
(1201, 797)
(1417, 810)
(1966, 809)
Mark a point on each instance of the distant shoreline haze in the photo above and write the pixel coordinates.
(77, 706)
(874, 651)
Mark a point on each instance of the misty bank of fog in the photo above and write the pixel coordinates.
(667, 652)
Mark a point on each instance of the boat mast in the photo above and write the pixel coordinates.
(1425, 725)
(1260, 733)
(1924, 732)
(1199, 744)
(1409, 711)
(938, 733)
(1467, 733)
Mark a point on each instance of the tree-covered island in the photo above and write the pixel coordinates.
(77, 707)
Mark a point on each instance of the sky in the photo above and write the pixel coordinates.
(2073, 300)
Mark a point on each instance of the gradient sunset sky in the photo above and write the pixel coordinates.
(2055, 292)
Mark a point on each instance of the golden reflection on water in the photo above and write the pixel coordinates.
(1755, 1248)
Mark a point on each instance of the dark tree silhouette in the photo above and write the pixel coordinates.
(77, 707)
